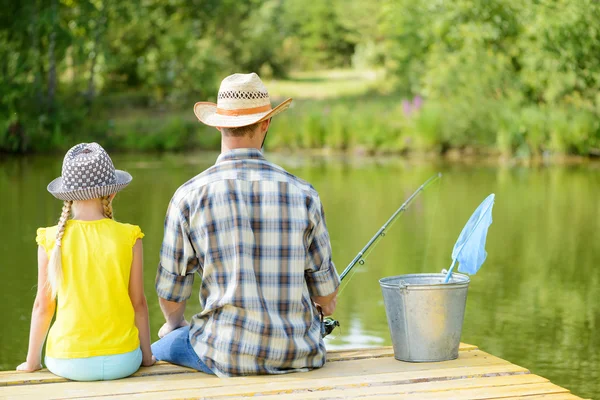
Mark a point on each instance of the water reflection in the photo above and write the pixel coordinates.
(534, 302)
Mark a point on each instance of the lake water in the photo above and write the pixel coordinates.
(535, 302)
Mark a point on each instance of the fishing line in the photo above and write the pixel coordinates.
(345, 282)
(328, 324)
(389, 226)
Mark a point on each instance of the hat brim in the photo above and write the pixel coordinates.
(57, 190)
(207, 114)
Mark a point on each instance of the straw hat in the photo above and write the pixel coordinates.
(243, 100)
(88, 173)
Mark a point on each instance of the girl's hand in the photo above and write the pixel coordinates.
(148, 362)
(29, 367)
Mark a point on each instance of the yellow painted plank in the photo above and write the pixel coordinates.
(352, 368)
(375, 352)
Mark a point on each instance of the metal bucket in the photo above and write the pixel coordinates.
(425, 315)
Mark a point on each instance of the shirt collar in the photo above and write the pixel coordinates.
(241, 154)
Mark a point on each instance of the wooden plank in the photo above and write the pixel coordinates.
(436, 388)
(460, 389)
(478, 388)
(352, 368)
(24, 378)
(494, 393)
(554, 396)
(377, 352)
(364, 373)
(557, 396)
(8, 378)
(322, 385)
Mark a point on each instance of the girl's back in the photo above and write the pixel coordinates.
(90, 272)
(94, 312)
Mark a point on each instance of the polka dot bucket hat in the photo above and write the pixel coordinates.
(88, 173)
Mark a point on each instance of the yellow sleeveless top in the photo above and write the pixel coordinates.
(94, 314)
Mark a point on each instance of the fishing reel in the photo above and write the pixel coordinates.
(328, 324)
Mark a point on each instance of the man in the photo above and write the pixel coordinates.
(257, 235)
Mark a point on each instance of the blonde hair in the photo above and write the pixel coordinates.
(107, 205)
(55, 274)
(55, 262)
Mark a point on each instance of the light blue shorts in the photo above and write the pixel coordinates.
(100, 368)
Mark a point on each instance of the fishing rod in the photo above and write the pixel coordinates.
(328, 324)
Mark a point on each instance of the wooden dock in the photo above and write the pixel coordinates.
(361, 373)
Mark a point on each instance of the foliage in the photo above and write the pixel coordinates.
(501, 71)
(62, 62)
(520, 77)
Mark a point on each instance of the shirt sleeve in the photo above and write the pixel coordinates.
(136, 233)
(46, 237)
(178, 260)
(41, 238)
(321, 275)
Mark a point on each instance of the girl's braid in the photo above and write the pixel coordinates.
(55, 262)
(107, 205)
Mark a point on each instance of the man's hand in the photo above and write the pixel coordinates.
(173, 312)
(327, 303)
(328, 308)
(168, 328)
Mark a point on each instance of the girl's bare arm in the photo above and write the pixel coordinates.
(41, 316)
(138, 300)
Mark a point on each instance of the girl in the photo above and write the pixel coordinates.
(90, 268)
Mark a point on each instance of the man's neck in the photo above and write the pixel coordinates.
(237, 143)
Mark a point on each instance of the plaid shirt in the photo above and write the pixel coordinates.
(257, 236)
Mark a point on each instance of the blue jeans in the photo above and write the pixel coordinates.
(99, 368)
(177, 349)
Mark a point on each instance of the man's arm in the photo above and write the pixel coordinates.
(321, 276)
(178, 264)
(173, 312)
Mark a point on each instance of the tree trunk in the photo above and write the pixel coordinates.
(35, 40)
(52, 59)
(91, 91)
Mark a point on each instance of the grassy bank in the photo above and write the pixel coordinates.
(385, 123)
(346, 110)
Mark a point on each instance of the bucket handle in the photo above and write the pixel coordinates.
(445, 272)
(402, 287)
